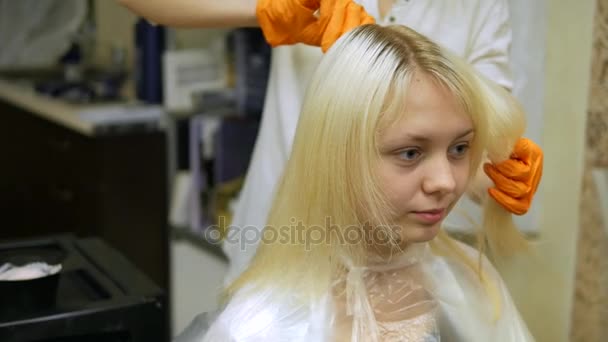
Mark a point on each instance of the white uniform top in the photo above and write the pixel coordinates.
(478, 30)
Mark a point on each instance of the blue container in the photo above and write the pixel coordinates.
(150, 43)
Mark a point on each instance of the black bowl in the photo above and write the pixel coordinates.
(21, 297)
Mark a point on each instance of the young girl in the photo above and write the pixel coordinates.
(393, 129)
(460, 26)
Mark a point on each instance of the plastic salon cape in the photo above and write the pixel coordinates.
(418, 296)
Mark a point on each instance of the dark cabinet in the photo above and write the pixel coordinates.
(111, 186)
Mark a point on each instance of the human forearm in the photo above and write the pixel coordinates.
(196, 13)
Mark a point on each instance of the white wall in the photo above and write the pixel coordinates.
(196, 280)
(543, 287)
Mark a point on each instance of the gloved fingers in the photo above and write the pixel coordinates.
(301, 14)
(348, 19)
(527, 151)
(513, 188)
(538, 172)
(522, 148)
(313, 22)
(514, 169)
(335, 23)
(354, 14)
(517, 178)
(359, 17)
(330, 22)
(531, 154)
(287, 11)
(310, 31)
(310, 4)
(327, 9)
(515, 206)
(282, 21)
(346, 16)
(310, 35)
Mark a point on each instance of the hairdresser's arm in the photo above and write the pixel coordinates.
(196, 13)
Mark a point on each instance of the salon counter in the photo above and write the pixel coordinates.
(90, 170)
(85, 119)
(53, 110)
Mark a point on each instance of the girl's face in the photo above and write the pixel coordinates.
(425, 159)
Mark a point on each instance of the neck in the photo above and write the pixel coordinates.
(396, 257)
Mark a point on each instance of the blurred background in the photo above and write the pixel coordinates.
(124, 144)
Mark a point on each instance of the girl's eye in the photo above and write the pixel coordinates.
(459, 150)
(409, 155)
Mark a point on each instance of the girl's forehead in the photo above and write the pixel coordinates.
(421, 94)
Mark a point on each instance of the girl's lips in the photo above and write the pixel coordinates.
(430, 216)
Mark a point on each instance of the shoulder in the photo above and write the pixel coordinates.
(467, 263)
(260, 315)
(461, 285)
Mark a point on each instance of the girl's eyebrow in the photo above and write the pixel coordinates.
(416, 137)
(465, 133)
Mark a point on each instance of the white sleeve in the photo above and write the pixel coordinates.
(490, 45)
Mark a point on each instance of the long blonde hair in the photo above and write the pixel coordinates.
(329, 188)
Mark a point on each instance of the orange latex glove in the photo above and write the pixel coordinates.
(338, 17)
(517, 178)
(285, 22)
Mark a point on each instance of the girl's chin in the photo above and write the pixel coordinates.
(408, 233)
(420, 233)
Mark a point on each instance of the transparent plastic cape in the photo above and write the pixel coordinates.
(418, 296)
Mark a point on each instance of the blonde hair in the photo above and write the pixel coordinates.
(358, 88)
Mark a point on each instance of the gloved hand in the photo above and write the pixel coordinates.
(516, 179)
(338, 17)
(285, 22)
